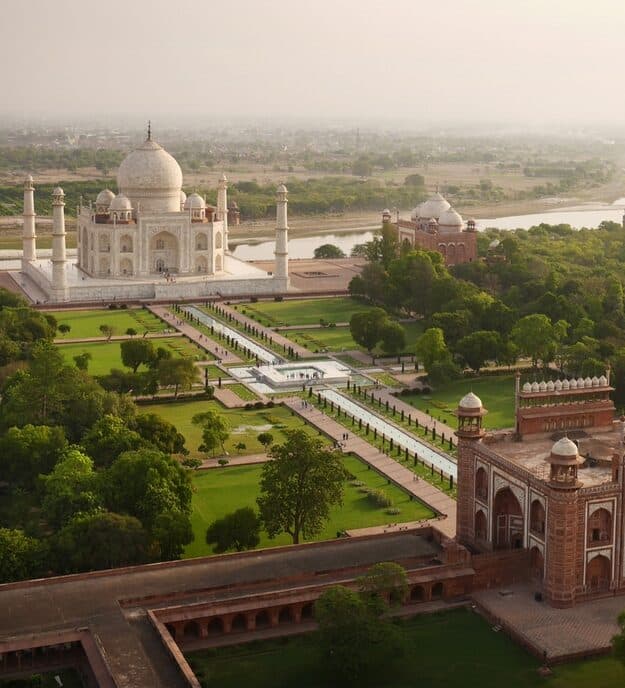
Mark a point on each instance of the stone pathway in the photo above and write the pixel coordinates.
(214, 347)
(118, 338)
(391, 469)
(246, 460)
(271, 334)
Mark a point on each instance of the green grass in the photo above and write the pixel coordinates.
(107, 355)
(386, 379)
(87, 323)
(222, 490)
(214, 373)
(245, 425)
(302, 311)
(495, 391)
(242, 392)
(455, 649)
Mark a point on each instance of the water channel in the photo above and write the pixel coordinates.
(399, 437)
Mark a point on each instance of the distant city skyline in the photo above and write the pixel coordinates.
(534, 63)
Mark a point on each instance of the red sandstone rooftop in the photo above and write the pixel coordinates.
(531, 453)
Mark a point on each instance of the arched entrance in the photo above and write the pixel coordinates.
(239, 624)
(437, 591)
(537, 517)
(507, 521)
(480, 526)
(215, 626)
(537, 564)
(481, 484)
(417, 594)
(164, 252)
(598, 572)
(125, 266)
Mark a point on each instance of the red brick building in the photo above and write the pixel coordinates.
(553, 486)
(436, 226)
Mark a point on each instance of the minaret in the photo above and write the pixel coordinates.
(222, 207)
(29, 238)
(281, 270)
(59, 278)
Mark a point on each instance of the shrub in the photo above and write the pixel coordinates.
(332, 324)
(124, 306)
(223, 462)
(259, 405)
(270, 404)
(192, 462)
(249, 406)
(254, 299)
(379, 498)
(356, 483)
(364, 490)
(393, 511)
(278, 298)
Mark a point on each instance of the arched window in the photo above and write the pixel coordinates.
(480, 526)
(201, 242)
(481, 484)
(218, 241)
(160, 244)
(125, 243)
(537, 517)
(217, 263)
(600, 527)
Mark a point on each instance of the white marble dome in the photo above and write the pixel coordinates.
(603, 381)
(564, 447)
(471, 402)
(527, 387)
(58, 191)
(194, 202)
(120, 202)
(558, 385)
(183, 197)
(565, 384)
(450, 218)
(104, 198)
(435, 206)
(151, 178)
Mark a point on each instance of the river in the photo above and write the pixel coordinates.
(589, 215)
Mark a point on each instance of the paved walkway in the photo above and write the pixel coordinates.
(246, 460)
(559, 632)
(393, 470)
(214, 347)
(272, 336)
(118, 338)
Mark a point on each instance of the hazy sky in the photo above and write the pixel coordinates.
(448, 60)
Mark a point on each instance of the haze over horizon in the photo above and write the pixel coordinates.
(532, 63)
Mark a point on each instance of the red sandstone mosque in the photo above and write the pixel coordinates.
(553, 485)
(435, 226)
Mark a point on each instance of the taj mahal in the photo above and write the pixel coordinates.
(150, 241)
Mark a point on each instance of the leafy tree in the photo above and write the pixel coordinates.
(239, 530)
(134, 352)
(171, 531)
(9, 351)
(64, 328)
(26, 452)
(357, 643)
(328, 251)
(431, 347)
(107, 331)
(146, 483)
(131, 332)
(534, 336)
(100, 540)
(82, 360)
(109, 437)
(160, 433)
(215, 431)
(299, 487)
(478, 347)
(386, 582)
(393, 338)
(69, 489)
(618, 640)
(20, 556)
(179, 373)
(266, 439)
(366, 327)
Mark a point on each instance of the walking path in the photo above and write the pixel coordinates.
(118, 338)
(246, 460)
(205, 342)
(272, 335)
(393, 470)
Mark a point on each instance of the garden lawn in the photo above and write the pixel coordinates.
(455, 649)
(245, 425)
(242, 392)
(107, 355)
(86, 324)
(495, 391)
(303, 311)
(219, 491)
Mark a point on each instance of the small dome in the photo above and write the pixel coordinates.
(542, 387)
(565, 385)
(120, 202)
(183, 197)
(595, 381)
(105, 197)
(564, 447)
(603, 381)
(194, 202)
(588, 382)
(470, 401)
(550, 386)
(435, 206)
(572, 384)
(527, 387)
(535, 387)
(282, 189)
(450, 218)
(580, 383)
(58, 191)
(558, 385)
